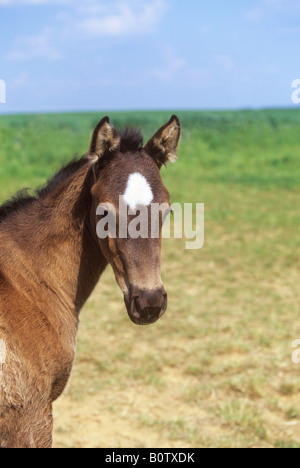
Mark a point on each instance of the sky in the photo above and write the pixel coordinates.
(85, 55)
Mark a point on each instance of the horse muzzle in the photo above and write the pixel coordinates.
(146, 307)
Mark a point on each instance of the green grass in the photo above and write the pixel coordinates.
(216, 371)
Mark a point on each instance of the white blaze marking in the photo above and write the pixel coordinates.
(138, 191)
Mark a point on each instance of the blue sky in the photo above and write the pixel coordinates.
(65, 55)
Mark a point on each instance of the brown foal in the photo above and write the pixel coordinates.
(51, 259)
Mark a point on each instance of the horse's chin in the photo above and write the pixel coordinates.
(141, 320)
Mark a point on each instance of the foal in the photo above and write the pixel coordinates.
(51, 259)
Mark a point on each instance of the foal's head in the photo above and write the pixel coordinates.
(127, 182)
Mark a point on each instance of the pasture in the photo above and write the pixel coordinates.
(216, 370)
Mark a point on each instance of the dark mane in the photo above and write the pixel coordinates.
(63, 174)
(23, 199)
(131, 140)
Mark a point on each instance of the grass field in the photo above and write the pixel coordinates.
(216, 371)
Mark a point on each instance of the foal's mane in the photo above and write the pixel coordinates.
(131, 141)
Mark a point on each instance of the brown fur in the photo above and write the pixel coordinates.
(50, 262)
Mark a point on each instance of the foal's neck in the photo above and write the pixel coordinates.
(66, 250)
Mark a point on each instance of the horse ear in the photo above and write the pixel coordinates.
(105, 138)
(163, 145)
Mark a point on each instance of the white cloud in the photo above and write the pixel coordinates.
(277, 3)
(9, 3)
(34, 47)
(264, 8)
(123, 17)
(286, 6)
(12, 3)
(87, 20)
(102, 17)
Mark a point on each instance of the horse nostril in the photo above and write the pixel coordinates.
(137, 304)
(135, 307)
